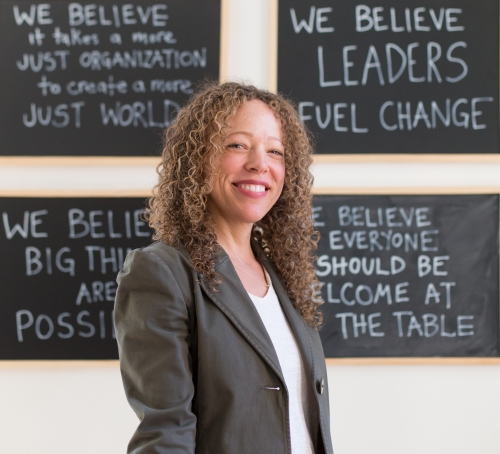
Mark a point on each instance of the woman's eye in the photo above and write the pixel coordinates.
(277, 152)
(236, 145)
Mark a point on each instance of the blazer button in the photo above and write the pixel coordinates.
(320, 386)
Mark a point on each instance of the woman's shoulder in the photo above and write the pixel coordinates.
(169, 255)
(159, 263)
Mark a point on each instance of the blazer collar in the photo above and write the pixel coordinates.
(233, 300)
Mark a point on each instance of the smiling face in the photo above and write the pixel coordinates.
(251, 169)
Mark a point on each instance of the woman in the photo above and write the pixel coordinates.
(217, 322)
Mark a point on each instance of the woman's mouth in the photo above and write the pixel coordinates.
(252, 187)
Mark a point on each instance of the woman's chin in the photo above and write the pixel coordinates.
(251, 217)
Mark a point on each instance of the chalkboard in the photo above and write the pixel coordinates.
(402, 275)
(60, 258)
(393, 76)
(409, 275)
(100, 78)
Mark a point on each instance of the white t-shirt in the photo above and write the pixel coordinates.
(294, 373)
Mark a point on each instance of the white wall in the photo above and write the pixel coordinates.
(63, 410)
(379, 409)
(415, 409)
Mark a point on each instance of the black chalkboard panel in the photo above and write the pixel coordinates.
(100, 78)
(421, 270)
(60, 258)
(409, 275)
(393, 76)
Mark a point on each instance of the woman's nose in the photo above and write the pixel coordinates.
(257, 160)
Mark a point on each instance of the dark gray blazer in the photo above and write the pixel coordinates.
(198, 367)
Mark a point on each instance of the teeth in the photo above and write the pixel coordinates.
(252, 187)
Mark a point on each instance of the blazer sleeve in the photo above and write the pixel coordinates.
(152, 323)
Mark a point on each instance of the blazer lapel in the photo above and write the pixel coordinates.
(233, 300)
(297, 323)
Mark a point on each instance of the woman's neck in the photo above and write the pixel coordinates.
(235, 240)
(236, 243)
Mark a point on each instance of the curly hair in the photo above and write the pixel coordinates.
(178, 212)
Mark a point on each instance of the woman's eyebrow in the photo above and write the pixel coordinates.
(252, 135)
(241, 132)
